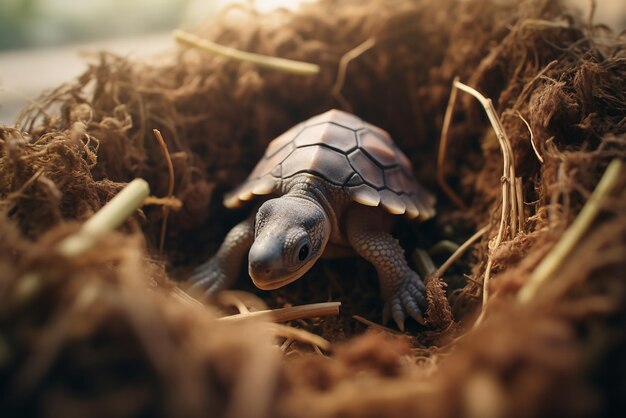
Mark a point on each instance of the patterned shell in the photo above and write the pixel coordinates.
(347, 152)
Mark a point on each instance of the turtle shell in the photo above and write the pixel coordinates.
(344, 151)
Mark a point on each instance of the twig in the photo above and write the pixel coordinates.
(532, 136)
(540, 24)
(170, 186)
(443, 147)
(318, 351)
(274, 63)
(172, 202)
(512, 182)
(243, 301)
(301, 335)
(511, 192)
(288, 314)
(460, 251)
(184, 297)
(109, 217)
(471, 279)
(285, 345)
(551, 263)
(509, 196)
(520, 204)
(237, 303)
(343, 69)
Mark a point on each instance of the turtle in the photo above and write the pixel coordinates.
(330, 186)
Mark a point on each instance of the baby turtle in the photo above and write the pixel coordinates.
(335, 183)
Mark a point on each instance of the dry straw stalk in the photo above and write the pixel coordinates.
(551, 263)
(111, 216)
(274, 63)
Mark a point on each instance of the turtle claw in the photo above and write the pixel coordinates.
(208, 278)
(397, 313)
(408, 300)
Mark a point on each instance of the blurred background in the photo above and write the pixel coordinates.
(45, 23)
(40, 40)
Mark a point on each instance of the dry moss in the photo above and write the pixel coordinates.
(107, 334)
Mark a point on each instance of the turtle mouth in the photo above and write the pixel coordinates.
(277, 279)
(265, 284)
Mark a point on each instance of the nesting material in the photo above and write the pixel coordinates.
(110, 333)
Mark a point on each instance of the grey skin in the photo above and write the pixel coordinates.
(311, 219)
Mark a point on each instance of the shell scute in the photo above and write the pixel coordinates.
(380, 151)
(412, 211)
(264, 185)
(355, 180)
(366, 168)
(338, 117)
(277, 144)
(327, 134)
(405, 163)
(266, 165)
(365, 195)
(384, 135)
(392, 202)
(325, 162)
(343, 150)
(395, 180)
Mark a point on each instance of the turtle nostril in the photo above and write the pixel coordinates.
(264, 259)
(261, 268)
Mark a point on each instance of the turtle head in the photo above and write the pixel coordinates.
(291, 233)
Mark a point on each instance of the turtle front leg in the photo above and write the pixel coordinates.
(223, 268)
(402, 288)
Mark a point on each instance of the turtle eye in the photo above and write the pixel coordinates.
(303, 252)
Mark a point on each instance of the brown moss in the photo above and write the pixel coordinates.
(106, 333)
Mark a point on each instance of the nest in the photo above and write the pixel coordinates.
(109, 333)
